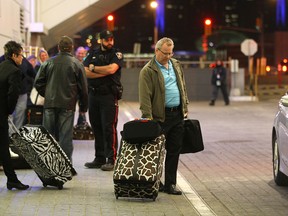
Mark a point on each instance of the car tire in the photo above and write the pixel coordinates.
(279, 178)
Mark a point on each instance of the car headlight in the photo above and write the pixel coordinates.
(284, 100)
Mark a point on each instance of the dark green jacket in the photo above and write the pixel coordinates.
(152, 90)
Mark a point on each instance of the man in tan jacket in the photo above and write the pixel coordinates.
(163, 97)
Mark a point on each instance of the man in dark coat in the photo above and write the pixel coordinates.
(218, 81)
(61, 80)
(28, 75)
(10, 86)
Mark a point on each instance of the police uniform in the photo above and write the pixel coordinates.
(104, 93)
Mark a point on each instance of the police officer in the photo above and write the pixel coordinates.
(103, 70)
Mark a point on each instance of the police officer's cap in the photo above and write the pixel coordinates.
(106, 34)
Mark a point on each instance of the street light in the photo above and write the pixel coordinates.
(110, 22)
(154, 5)
(207, 27)
(207, 32)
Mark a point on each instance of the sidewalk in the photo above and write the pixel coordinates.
(231, 177)
(91, 192)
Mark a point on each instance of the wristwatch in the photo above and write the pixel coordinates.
(91, 67)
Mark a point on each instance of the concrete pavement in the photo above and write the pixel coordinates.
(232, 176)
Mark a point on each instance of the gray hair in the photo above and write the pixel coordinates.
(79, 49)
(164, 40)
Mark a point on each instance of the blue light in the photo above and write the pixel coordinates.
(160, 16)
(281, 13)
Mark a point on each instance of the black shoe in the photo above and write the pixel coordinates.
(212, 103)
(161, 187)
(107, 167)
(17, 185)
(96, 163)
(172, 190)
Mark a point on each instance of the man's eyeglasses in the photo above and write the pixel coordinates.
(166, 54)
(20, 55)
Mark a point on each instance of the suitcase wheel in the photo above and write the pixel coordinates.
(154, 196)
(60, 186)
(44, 185)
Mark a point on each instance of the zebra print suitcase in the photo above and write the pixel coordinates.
(43, 154)
(138, 169)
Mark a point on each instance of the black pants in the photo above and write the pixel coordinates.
(173, 129)
(223, 89)
(5, 154)
(103, 116)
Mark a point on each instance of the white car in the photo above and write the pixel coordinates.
(280, 143)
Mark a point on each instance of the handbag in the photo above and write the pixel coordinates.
(36, 98)
(34, 114)
(192, 137)
(83, 132)
(141, 130)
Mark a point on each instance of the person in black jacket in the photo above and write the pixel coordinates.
(10, 86)
(103, 69)
(28, 76)
(218, 81)
(61, 80)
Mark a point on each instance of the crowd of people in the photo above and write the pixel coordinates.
(47, 75)
(93, 80)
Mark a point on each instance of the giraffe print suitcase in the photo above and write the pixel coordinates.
(138, 169)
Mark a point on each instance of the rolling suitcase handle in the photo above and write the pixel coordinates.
(13, 130)
(12, 127)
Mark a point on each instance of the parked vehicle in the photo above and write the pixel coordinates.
(280, 143)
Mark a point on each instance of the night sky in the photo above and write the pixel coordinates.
(184, 21)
